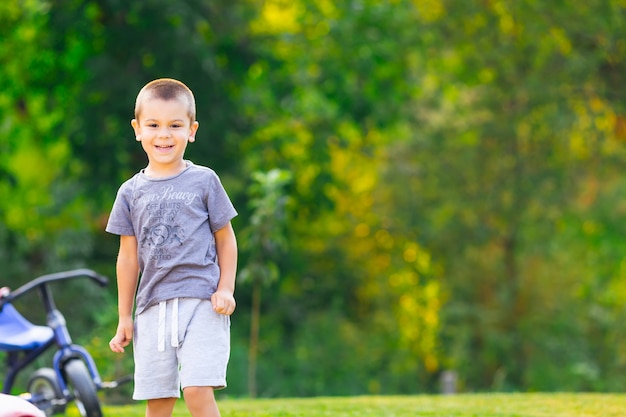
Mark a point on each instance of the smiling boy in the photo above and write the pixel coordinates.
(177, 260)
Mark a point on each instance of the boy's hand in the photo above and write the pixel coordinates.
(223, 302)
(123, 336)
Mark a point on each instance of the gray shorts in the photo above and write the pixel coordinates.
(196, 353)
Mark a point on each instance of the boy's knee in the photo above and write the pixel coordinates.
(201, 394)
(201, 401)
(160, 407)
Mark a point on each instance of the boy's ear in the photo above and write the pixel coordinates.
(135, 124)
(193, 130)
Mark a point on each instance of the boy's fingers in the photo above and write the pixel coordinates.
(118, 343)
(116, 347)
(217, 302)
(223, 305)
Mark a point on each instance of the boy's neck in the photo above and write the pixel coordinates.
(163, 171)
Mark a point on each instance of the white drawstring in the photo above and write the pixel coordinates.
(174, 327)
(161, 332)
(175, 323)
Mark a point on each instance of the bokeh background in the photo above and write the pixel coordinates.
(425, 188)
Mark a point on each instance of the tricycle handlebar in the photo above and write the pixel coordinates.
(58, 276)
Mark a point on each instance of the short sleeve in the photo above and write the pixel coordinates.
(120, 221)
(219, 206)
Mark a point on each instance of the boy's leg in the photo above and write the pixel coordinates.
(201, 401)
(156, 367)
(203, 355)
(160, 407)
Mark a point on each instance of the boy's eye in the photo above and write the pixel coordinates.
(176, 125)
(152, 125)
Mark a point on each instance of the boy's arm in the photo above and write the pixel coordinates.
(226, 246)
(127, 269)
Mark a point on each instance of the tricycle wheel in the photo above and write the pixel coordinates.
(81, 384)
(45, 391)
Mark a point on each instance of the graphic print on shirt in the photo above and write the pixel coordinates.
(161, 232)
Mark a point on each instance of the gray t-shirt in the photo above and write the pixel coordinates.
(173, 220)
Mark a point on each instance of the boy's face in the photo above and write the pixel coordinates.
(164, 128)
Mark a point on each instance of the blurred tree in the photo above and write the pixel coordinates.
(45, 224)
(325, 101)
(264, 242)
(508, 123)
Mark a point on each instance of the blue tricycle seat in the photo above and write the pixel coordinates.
(17, 333)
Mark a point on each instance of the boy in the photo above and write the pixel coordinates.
(173, 218)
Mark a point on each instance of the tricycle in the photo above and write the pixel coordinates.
(73, 375)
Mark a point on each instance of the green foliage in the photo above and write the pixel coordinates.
(319, 120)
(264, 242)
(263, 239)
(43, 210)
(501, 147)
(454, 192)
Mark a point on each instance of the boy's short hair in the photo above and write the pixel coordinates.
(167, 89)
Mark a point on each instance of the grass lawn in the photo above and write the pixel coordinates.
(466, 405)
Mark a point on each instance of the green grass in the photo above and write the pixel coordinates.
(466, 405)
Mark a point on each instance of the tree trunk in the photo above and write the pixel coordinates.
(253, 348)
